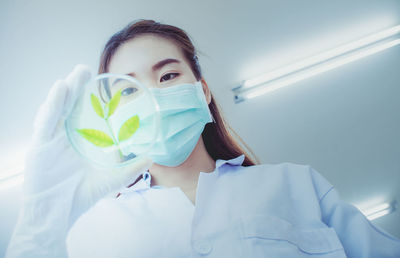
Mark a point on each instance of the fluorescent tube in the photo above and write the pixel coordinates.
(379, 210)
(317, 64)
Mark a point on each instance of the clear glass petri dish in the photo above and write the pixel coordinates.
(114, 121)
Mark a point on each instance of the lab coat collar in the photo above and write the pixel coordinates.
(238, 161)
(144, 182)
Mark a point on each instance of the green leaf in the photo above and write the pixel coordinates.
(96, 105)
(128, 128)
(114, 103)
(98, 138)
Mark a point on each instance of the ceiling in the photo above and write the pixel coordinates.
(345, 123)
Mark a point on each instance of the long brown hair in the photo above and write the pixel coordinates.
(218, 141)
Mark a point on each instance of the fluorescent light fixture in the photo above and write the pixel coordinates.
(11, 177)
(317, 64)
(379, 210)
(11, 169)
(11, 181)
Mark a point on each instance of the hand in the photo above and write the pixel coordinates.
(51, 159)
(59, 185)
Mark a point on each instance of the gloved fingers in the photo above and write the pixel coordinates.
(60, 99)
(49, 113)
(76, 81)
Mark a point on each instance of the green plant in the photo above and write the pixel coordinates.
(102, 139)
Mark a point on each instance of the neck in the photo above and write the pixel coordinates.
(185, 175)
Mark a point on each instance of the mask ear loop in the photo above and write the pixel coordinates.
(213, 118)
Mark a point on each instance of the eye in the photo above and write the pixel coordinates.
(128, 91)
(169, 76)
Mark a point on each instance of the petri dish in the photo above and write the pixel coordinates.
(114, 121)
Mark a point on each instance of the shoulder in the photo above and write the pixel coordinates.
(290, 174)
(287, 169)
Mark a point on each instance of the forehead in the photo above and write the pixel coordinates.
(142, 52)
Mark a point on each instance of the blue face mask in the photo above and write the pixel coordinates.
(184, 113)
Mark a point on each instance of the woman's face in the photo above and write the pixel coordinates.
(154, 61)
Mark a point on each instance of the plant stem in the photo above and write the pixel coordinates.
(122, 156)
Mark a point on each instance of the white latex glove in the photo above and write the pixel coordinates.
(59, 185)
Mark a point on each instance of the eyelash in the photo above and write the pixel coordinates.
(176, 75)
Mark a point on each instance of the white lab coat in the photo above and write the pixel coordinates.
(269, 210)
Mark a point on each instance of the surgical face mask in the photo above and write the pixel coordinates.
(184, 113)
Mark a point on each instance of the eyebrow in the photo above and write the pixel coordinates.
(160, 65)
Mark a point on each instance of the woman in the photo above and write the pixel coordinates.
(212, 200)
